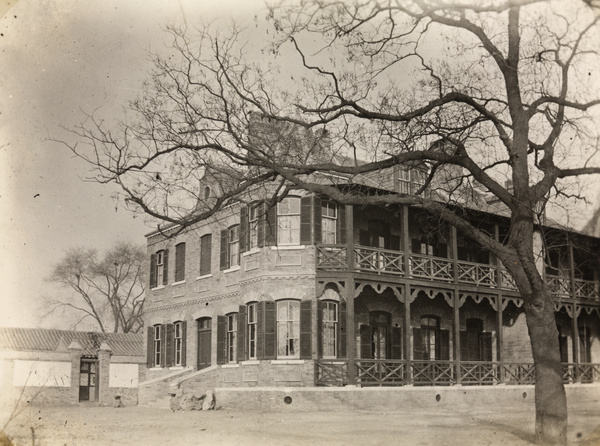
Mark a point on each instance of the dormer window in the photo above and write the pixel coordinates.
(410, 180)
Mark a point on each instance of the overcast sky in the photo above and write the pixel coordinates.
(59, 59)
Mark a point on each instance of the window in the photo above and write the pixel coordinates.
(410, 180)
(330, 329)
(206, 193)
(205, 254)
(230, 247)
(288, 329)
(430, 326)
(178, 343)
(328, 222)
(253, 223)
(288, 221)
(158, 268)
(180, 262)
(157, 346)
(252, 326)
(232, 337)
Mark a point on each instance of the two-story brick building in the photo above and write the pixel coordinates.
(310, 292)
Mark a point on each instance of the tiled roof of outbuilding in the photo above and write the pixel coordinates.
(39, 339)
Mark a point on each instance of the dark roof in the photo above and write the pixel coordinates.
(39, 339)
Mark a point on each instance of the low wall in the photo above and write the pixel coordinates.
(270, 399)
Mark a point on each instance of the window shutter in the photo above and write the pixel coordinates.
(317, 220)
(153, 271)
(224, 257)
(180, 262)
(341, 224)
(205, 254)
(163, 345)
(464, 346)
(150, 348)
(486, 342)
(261, 225)
(396, 343)
(271, 226)
(418, 350)
(221, 334)
(320, 305)
(260, 330)
(270, 351)
(166, 267)
(243, 228)
(305, 220)
(443, 337)
(342, 330)
(366, 342)
(183, 342)
(305, 329)
(169, 341)
(241, 334)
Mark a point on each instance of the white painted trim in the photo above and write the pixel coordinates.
(288, 361)
(206, 276)
(232, 269)
(181, 282)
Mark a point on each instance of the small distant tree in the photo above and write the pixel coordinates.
(108, 288)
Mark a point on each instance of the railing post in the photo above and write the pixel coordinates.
(407, 328)
(350, 336)
(456, 302)
(499, 309)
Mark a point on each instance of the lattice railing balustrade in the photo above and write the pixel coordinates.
(476, 274)
(381, 372)
(331, 373)
(433, 373)
(586, 289)
(559, 286)
(479, 372)
(433, 268)
(378, 260)
(332, 257)
(519, 373)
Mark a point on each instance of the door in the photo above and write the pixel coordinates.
(88, 389)
(204, 342)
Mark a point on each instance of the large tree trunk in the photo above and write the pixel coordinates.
(550, 396)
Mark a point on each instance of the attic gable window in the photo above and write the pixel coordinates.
(410, 180)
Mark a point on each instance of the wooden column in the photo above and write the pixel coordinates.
(350, 323)
(407, 326)
(499, 342)
(576, 358)
(455, 300)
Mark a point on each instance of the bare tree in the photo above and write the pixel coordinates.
(495, 96)
(107, 288)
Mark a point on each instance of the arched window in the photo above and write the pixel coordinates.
(232, 326)
(206, 192)
(252, 329)
(329, 328)
(430, 326)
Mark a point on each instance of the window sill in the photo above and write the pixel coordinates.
(252, 251)
(181, 282)
(230, 366)
(288, 248)
(288, 361)
(155, 368)
(250, 362)
(206, 276)
(176, 367)
(160, 287)
(232, 269)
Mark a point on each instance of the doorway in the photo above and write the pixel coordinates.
(88, 379)
(204, 342)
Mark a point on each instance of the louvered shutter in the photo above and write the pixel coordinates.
(150, 348)
(180, 262)
(271, 226)
(261, 225)
(342, 339)
(169, 341)
(244, 229)
(320, 306)
(443, 337)
(341, 224)
(166, 267)
(224, 245)
(221, 339)
(396, 343)
(260, 330)
(153, 271)
(486, 343)
(418, 350)
(270, 351)
(241, 334)
(305, 220)
(317, 220)
(163, 345)
(366, 342)
(183, 342)
(305, 329)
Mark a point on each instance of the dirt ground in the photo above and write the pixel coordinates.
(92, 425)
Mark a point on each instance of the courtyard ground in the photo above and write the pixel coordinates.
(95, 426)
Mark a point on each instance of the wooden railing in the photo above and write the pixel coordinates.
(396, 372)
(388, 262)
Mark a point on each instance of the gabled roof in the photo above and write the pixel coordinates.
(39, 339)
